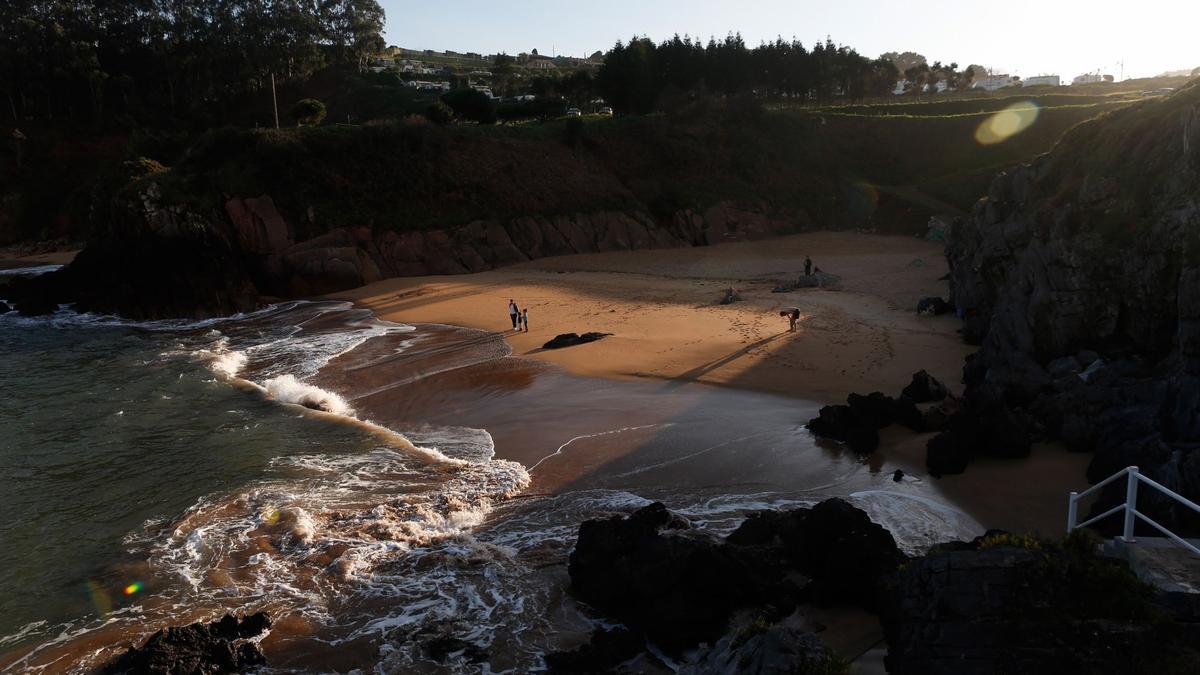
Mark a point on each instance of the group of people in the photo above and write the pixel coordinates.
(520, 317)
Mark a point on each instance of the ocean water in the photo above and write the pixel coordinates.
(341, 473)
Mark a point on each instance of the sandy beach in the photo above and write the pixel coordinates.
(662, 308)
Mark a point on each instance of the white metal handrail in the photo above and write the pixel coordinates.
(1130, 506)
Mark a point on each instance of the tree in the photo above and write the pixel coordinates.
(307, 112)
(471, 105)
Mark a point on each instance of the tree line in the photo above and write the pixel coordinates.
(637, 73)
(136, 61)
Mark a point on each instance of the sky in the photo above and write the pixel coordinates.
(1017, 37)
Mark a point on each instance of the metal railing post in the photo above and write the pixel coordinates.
(1072, 511)
(1130, 504)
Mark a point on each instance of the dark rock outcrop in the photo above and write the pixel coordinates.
(679, 587)
(857, 423)
(152, 258)
(4, 309)
(966, 609)
(202, 648)
(1079, 277)
(785, 648)
(924, 388)
(573, 339)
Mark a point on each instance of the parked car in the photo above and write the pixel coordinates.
(574, 112)
(606, 111)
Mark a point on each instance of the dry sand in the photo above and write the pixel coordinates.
(662, 308)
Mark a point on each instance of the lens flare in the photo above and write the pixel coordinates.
(133, 588)
(1007, 123)
(100, 599)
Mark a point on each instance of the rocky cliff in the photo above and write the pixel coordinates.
(157, 259)
(1079, 277)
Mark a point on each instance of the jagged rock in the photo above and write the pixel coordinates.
(842, 423)
(259, 227)
(898, 476)
(906, 413)
(572, 339)
(606, 649)
(924, 388)
(933, 306)
(679, 587)
(4, 309)
(934, 418)
(1076, 254)
(731, 296)
(202, 648)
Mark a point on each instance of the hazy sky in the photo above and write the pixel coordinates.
(1018, 36)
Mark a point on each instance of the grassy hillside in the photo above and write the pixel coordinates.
(886, 166)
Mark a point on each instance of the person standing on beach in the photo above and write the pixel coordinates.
(525, 319)
(807, 266)
(793, 315)
(513, 313)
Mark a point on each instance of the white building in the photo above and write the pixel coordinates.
(995, 82)
(1041, 80)
(901, 87)
(1087, 78)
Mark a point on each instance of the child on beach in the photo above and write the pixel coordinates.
(525, 320)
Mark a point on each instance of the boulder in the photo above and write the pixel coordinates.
(224, 646)
(946, 454)
(572, 339)
(4, 309)
(933, 306)
(730, 296)
(924, 388)
(680, 587)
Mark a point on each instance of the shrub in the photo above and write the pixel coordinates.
(439, 113)
(307, 112)
(471, 105)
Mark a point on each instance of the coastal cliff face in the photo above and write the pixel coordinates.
(158, 260)
(1079, 277)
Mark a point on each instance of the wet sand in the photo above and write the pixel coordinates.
(668, 328)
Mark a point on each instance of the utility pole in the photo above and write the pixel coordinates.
(274, 101)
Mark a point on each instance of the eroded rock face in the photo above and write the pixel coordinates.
(223, 646)
(157, 260)
(1079, 276)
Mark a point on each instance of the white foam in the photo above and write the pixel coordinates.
(287, 389)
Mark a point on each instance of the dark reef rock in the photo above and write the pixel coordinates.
(606, 649)
(4, 308)
(201, 648)
(925, 388)
(573, 339)
(679, 587)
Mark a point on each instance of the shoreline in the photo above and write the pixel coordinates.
(662, 308)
